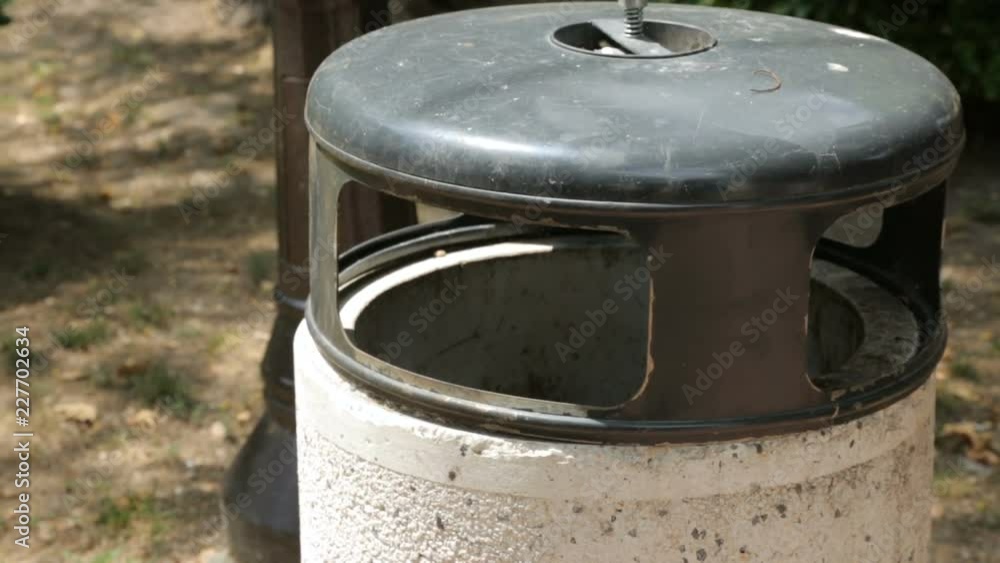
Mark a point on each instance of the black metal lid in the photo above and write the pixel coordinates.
(756, 108)
(723, 143)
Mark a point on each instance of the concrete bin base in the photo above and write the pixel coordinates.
(377, 484)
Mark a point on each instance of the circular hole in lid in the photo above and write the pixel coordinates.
(660, 39)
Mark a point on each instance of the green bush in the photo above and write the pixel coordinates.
(956, 35)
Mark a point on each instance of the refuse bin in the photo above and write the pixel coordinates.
(690, 311)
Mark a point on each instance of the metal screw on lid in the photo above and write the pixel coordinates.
(633, 16)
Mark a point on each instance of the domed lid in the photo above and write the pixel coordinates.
(715, 106)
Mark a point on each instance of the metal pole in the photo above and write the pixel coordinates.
(263, 524)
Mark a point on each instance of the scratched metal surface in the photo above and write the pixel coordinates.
(780, 109)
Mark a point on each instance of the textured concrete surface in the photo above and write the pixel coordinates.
(379, 485)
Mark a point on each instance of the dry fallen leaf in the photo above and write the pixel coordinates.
(212, 555)
(132, 366)
(207, 487)
(70, 374)
(85, 413)
(973, 440)
(144, 418)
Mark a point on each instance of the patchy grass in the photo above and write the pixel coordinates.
(143, 315)
(989, 515)
(118, 514)
(102, 377)
(963, 368)
(161, 387)
(45, 102)
(107, 557)
(84, 336)
(36, 271)
(955, 487)
(950, 406)
(132, 263)
(121, 514)
(189, 332)
(949, 483)
(958, 225)
(983, 209)
(47, 68)
(7, 351)
(217, 343)
(101, 296)
(77, 491)
(134, 56)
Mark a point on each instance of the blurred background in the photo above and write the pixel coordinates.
(137, 241)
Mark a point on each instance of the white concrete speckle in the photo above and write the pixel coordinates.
(379, 485)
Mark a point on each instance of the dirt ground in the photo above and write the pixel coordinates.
(144, 309)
